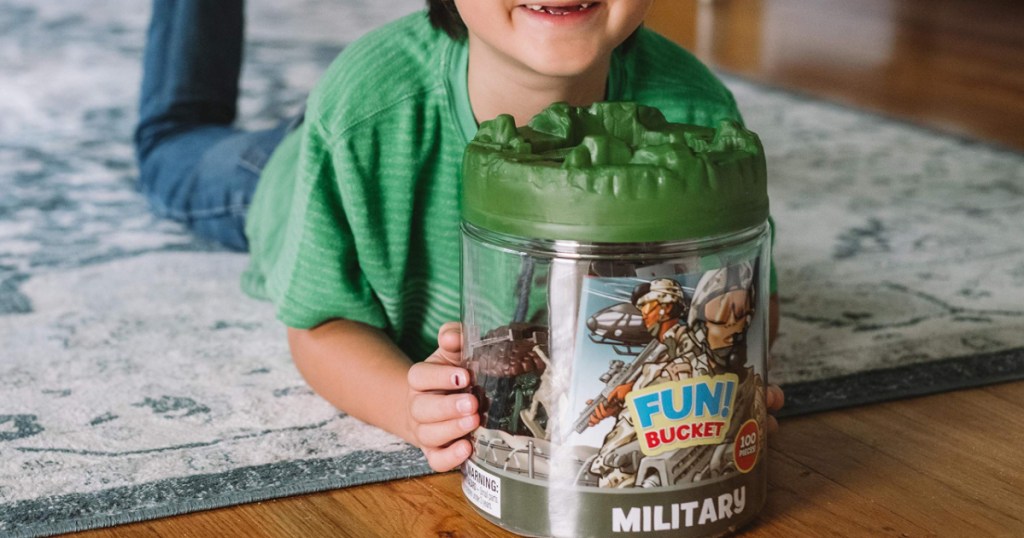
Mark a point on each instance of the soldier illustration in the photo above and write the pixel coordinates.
(723, 307)
(709, 342)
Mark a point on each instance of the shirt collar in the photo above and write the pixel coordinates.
(616, 76)
(458, 88)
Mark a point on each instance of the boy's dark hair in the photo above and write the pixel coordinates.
(444, 16)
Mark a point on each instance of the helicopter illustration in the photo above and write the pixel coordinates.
(620, 326)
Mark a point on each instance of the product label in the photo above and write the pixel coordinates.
(745, 450)
(482, 488)
(675, 516)
(650, 383)
(683, 413)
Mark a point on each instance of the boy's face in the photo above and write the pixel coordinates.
(561, 38)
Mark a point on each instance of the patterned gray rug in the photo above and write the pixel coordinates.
(136, 381)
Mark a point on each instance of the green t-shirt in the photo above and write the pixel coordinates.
(356, 215)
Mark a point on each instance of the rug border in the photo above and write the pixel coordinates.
(908, 381)
(307, 486)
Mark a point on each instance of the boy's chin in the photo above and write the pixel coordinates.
(564, 67)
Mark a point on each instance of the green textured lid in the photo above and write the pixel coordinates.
(613, 173)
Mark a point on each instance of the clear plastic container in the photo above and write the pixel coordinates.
(619, 361)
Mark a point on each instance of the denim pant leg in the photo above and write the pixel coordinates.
(191, 65)
(205, 177)
(194, 167)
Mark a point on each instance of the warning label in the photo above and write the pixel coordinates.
(482, 488)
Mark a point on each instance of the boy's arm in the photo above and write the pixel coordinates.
(359, 370)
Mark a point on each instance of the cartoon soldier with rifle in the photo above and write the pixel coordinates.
(698, 339)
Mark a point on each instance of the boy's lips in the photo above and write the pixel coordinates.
(559, 8)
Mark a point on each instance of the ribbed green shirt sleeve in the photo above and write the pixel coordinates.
(317, 275)
(356, 216)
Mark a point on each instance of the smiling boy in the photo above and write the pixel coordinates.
(354, 226)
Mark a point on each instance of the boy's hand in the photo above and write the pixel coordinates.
(439, 417)
(776, 399)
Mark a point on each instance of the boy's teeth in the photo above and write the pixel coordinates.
(551, 10)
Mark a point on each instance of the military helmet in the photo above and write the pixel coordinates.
(662, 290)
(718, 282)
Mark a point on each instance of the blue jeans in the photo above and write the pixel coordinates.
(194, 166)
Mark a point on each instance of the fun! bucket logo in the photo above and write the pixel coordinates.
(684, 413)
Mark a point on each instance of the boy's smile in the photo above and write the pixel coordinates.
(561, 10)
(561, 38)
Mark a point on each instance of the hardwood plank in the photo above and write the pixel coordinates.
(440, 509)
(894, 460)
(803, 500)
(953, 65)
(1008, 393)
(886, 469)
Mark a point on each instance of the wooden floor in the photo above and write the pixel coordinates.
(943, 465)
(954, 65)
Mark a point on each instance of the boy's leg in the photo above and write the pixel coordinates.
(190, 69)
(206, 177)
(194, 167)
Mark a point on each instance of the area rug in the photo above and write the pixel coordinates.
(137, 381)
(900, 254)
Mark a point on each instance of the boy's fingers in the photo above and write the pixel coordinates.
(439, 434)
(428, 408)
(450, 457)
(449, 344)
(449, 336)
(776, 398)
(427, 376)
